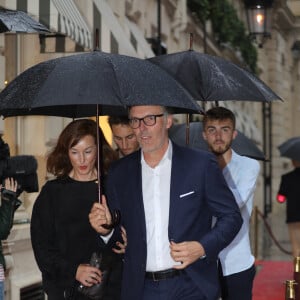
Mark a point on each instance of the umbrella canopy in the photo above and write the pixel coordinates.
(211, 78)
(92, 84)
(73, 86)
(290, 148)
(19, 21)
(241, 144)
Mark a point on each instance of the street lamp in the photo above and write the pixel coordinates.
(259, 19)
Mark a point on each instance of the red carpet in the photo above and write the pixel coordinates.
(269, 282)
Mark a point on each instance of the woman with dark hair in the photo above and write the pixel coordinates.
(62, 238)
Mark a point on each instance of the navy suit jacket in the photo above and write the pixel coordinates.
(197, 174)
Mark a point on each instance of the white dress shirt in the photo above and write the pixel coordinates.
(156, 199)
(240, 174)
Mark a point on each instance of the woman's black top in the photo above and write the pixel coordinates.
(62, 237)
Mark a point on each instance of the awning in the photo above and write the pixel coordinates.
(59, 16)
(68, 20)
(63, 17)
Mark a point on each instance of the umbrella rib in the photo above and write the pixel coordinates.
(108, 59)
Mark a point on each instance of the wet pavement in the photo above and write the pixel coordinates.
(270, 239)
(273, 265)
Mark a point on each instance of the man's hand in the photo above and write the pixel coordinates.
(121, 246)
(186, 253)
(99, 216)
(88, 275)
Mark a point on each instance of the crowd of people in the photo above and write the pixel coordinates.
(185, 213)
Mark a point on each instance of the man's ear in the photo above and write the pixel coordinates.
(169, 121)
(204, 135)
(234, 135)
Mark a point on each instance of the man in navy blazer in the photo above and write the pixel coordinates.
(167, 196)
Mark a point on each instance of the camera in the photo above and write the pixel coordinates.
(22, 168)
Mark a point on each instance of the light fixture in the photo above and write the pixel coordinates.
(259, 19)
(296, 50)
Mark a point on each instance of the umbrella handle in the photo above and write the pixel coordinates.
(191, 41)
(115, 215)
(187, 130)
(96, 47)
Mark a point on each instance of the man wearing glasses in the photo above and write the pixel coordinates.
(167, 204)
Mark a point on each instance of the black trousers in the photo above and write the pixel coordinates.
(181, 287)
(237, 286)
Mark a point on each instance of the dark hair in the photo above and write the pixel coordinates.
(118, 120)
(58, 162)
(218, 113)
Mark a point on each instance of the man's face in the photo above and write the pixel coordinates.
(155, 137)
(124, 138)
(219, 135)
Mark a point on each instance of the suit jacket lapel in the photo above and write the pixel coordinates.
(175, 182)
(137, 191)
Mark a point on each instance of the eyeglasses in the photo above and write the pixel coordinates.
(149, 120)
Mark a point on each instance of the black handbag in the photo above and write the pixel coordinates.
(96, 291)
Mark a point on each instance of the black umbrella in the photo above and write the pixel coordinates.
(241, 144)
(291, 148)
(73, 86)
(92, 84)
(19, 21)
(211, 78)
